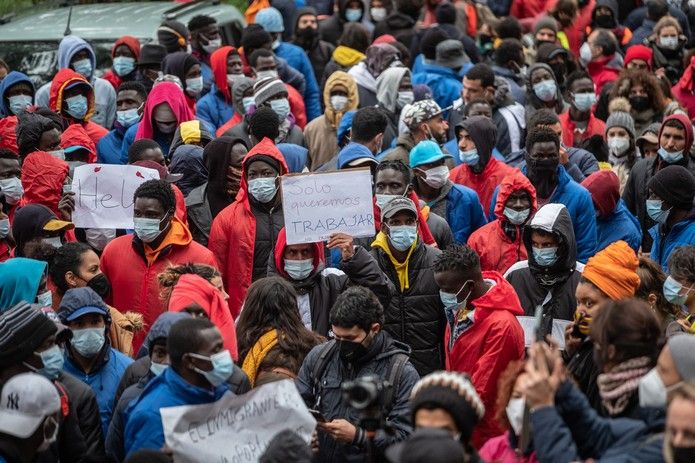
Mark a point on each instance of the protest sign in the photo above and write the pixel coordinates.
(236, 429)
(104, 194)
(317, 205)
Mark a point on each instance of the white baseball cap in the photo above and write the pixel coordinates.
(26, 400)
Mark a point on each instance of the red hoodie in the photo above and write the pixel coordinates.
(164, 92)
(497, 252)
(279, 255)
(8, 133)
(193, 289)
(134, 45)
(61, 81)
(483, 350)
(684, 90)
(218, 63)
(485, 182)
(233, 233)
(75, 135)
(43, 176)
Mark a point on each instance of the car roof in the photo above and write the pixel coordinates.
(109, 21)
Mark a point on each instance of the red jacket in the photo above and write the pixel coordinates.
(43, 176)
(76, 135)
(522, 9)
(499, 450)
(602, 71)
(233, 233)
(134, 45)
(8, 133)
(65, 78)
(682, 91)
(485, 182)
(497, 252)
(134, 280)
(218, 63)
(595, 126)
(171, 94)
(485, 348)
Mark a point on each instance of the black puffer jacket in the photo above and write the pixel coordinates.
(199, 214)
(268, 226)
(415, 316)
(331, 29)
(377, 362)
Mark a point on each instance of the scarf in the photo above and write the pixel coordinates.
(257, 354)
(401, 268)
(617, 386)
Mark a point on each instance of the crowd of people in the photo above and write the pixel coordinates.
(527, 293)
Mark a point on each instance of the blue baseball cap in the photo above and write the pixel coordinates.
(84, 311)
(426, 152)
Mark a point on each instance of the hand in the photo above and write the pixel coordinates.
(541, 383)
(564, 155)
(571, 343)
(340, 430)
(315, 442)
(661, 72)
(67, 205)
(344, 242)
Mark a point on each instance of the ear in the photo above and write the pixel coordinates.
(611, 352)
(376, 327)
(384, 227)
(408, 189)
(71, 279)
(652, 299)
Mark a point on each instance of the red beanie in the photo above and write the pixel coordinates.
(387, 38)
(639, 52)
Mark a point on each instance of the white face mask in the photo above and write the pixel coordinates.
(652, 392)
(515, 414)
(339, 102)
(405, 97)
(12, 189)
(618, 145)
(98, 238)
(269, 73)
(4, 228)
(377, 14)
(437, 176)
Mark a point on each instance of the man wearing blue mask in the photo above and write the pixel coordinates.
(198, 373)
(205, 39)
(670, 205)
(78, 55)
(29, 342)
(415, 314)
(89, 355)
(675, 141)
(130, 102)
(679, 287)
(16, 94)
(482, 333)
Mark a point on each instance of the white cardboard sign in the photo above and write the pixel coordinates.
(317, 205)
(104, 194)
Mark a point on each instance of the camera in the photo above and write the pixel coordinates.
(367, 392)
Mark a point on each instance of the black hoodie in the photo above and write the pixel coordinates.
(483, 132)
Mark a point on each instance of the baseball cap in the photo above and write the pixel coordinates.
(26, 400)
(360, 161)
(58, 225)
(426, 152)
(421, 111)
(397, 205)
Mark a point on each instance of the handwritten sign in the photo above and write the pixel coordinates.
(236, 429)
(317, 205)
(104, 194)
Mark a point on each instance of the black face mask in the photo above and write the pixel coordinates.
(543, 174)
(100, 284)
(544, 166)
(306, 35)
(350, 351)
(683, 454)
(604, 21)
(640, 103)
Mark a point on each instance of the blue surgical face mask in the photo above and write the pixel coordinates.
(194, 85)
(157, 368)
(147, 229)
(247, 102)
(402, 237)
(353, 14)
(12, 189)
(19, 103)
(381, 200)
(655, 212)
(281, 108)
(45, 299)
(545, 90)
(4, 228)
(516, 217)
(52, 360)
(263, 189)
(545, 257)
(450, 300)
(84, 67)
(584, 101)
(123, 65)
(77, 106)
(299, 269)
(222, 367)
(128, 117)
(470, 157)
(672, 291)
(670, 157)
(88, 341)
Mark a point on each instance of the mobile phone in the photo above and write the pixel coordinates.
(317, 415)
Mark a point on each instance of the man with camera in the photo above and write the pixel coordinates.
(358, 384)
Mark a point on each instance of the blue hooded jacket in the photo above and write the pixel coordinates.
(143, 429)
(577, 200)
(464, 214)
(110, 147)
(19, 280)
(681, 234)
(213, 109)
(297, 58)
(351, 152)
(295, 156)
(11, 79)
(445, 83)
(620, 225)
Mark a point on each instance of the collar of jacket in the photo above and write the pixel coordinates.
(183, 389)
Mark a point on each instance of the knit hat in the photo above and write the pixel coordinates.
(422, 92)
(23, 329)
(266, 88)
(450, 54)
(432, 38)
(426, 152)
(427, 444)
(173, 35)
(453, 392)
(682, 347)
(254, 37)
(152, 54)
(270, 19)
(687, 126)
(614, 271)
(604, 187)
(620, 118)
(546, 22)
(445, 13)
(675, 185)
(640, 52)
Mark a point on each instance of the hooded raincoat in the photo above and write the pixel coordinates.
(499, 243)
(215, 107)
(234, 237)
(11, 79)
(133, 45)
(43, 176)
(484, 349)
(19, 281)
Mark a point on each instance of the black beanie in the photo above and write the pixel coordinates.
(23, 329)
(452, 392)
(432, 38)
(675, 185)
(446, 13)
(254, 37)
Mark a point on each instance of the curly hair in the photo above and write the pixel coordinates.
(458, 258)
(630, 77)
(170, 277)
(505, 387)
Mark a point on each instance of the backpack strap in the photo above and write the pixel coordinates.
(320, 365)
(396, 368)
